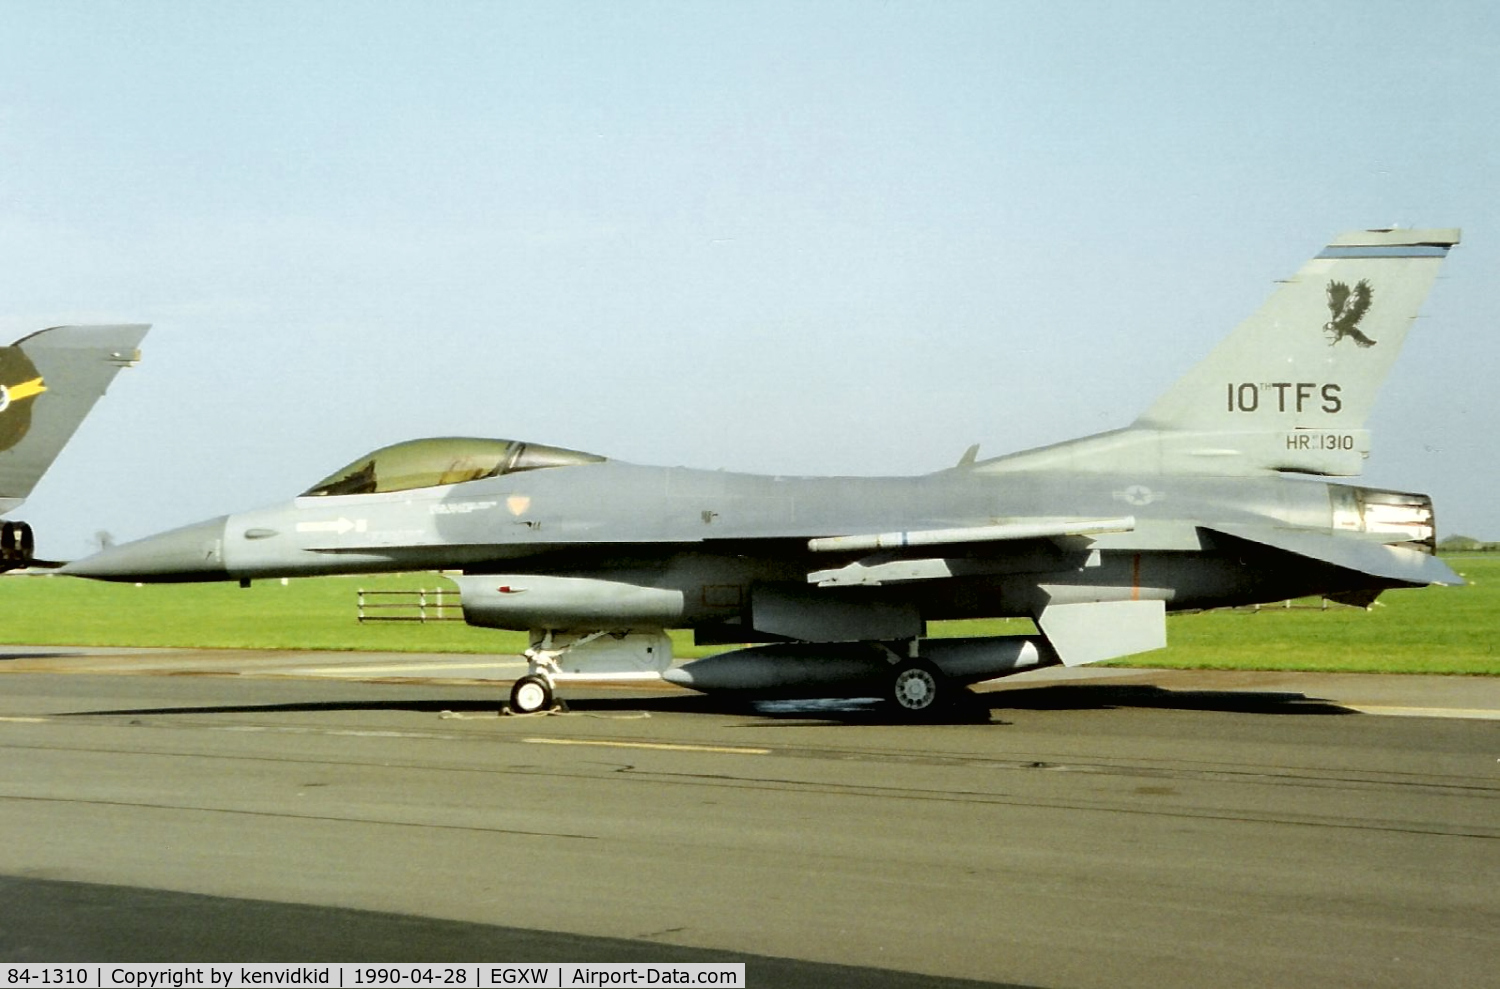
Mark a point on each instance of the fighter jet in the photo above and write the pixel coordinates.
(48, 382)
(1214, 497)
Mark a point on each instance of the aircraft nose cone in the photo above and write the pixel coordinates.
(194, 552)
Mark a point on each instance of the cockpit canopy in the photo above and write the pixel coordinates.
(442, 460)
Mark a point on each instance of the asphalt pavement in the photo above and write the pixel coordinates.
(1088, 828)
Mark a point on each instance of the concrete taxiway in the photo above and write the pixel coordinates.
(1366, 693)
(1103, 828)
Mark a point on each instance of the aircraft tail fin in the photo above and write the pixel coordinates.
(48, 383)
(1290, 389)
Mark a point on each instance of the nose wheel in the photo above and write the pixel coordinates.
(530, 694)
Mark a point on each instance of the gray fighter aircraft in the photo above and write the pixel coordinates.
(48, 382)
(1209, 499)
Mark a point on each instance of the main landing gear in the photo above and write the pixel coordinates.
(916, 688)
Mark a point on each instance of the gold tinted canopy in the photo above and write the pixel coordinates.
(442, 460)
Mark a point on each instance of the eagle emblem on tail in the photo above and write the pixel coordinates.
(1347, 307)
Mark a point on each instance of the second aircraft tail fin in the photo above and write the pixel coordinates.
(48, 383)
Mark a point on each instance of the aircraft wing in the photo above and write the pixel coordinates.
(1352, 552)
(1020, 529)
(889, 564)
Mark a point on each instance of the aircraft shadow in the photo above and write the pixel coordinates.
(991, 707)
(1102, 697)
(51, 654)
(48, 921)
(971, 708)
(420, 706)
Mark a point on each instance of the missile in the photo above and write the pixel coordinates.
(792, 669)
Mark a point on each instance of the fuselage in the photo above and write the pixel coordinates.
(707, 539)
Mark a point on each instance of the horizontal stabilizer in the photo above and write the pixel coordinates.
(1093, 632)
(1400, 562)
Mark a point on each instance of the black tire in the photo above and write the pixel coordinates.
(530, 694)
(918, 690)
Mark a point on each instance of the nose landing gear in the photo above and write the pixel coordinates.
(537, 690)
(532, 693)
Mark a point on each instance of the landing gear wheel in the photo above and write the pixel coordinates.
(530, 694)
(918, 690)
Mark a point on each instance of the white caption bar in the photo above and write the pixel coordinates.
(471, 975)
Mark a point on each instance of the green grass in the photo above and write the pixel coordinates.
(1423, 630)
(1432, 630)
(318, 613)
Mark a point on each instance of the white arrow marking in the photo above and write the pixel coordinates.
(340, 525)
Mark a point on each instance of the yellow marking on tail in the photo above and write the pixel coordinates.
(27, 389)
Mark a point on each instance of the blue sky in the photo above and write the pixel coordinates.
(792, 238)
